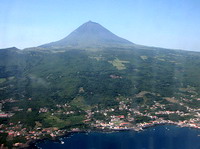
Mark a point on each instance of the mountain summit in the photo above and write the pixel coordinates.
(90, 34)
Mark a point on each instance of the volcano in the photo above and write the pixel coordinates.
(90, 34)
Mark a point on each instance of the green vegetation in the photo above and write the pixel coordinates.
(75, 88)
(80, 103)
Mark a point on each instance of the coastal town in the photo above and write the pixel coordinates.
(116, 118)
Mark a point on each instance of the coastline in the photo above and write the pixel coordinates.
(32, 144)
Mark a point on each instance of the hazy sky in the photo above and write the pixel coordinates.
(163, 23)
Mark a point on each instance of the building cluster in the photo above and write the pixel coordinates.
(116, 122)
(43, 110)
(157, 111)
(123, 116)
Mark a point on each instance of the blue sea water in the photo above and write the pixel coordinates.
(159, 137)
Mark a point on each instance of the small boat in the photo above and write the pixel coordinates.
(62, 142)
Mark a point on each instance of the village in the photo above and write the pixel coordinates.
(111, 121)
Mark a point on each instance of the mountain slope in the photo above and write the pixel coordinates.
(89, 34)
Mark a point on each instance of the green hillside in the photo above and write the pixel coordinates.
(66, 88)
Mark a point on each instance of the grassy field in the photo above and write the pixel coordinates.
(80, 103)
(144, 57)
(119, 64)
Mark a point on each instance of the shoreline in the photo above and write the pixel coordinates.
(33, 144)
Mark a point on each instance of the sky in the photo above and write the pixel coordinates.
(173, 24)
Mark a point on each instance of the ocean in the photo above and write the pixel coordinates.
(158, 137)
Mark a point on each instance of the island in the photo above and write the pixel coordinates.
(75, 85)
